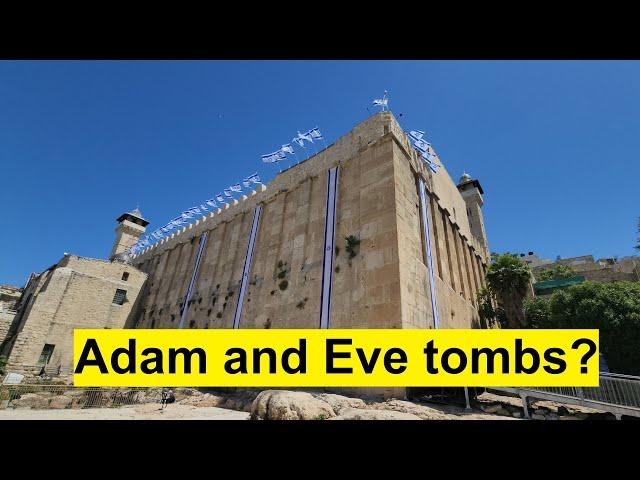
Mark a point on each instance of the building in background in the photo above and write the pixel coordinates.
(76, 292)
(586, 268)
(534, 260)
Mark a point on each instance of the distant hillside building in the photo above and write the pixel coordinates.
(534, 260)
(586, 268)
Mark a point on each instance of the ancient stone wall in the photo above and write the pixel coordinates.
(384, 283)
(76, 293)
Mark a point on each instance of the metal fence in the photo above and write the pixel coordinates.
(614, 389)
(66, 396)
(618, 394)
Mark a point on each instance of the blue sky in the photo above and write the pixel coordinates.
(555, 144)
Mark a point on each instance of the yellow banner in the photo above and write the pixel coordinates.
(332, 358)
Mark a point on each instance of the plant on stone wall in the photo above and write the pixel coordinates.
(282, 269)
(352, 245)
(508, 278)
(488, 310)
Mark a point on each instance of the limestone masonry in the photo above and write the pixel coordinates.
(338, 241)
(382, 282)
(76, 292)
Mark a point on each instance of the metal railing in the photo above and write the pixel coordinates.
(67, 396)
(614, 389)
(618, 394)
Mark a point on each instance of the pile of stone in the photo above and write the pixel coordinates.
(294, 405)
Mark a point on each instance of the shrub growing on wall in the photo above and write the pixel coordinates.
(508, 278)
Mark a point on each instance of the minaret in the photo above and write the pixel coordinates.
(130, 228)
(471, 192)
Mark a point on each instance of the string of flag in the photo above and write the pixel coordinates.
(425, 149)
(188, 215)
(417, 138)
(300, 139)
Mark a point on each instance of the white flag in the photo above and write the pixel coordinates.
(287, 148)
(381, 102)
(273, 157)
(315, 133)
(305, 136)
(236, 188)
(430, 163)
(416, 134)
(422, 146)
(255, 178)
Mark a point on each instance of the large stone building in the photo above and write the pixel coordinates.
(360, 235)
(76, 292)
(337, 241)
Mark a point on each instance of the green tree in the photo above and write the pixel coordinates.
(556, 272)
(508, 278)
(537, 311)
(612, 308)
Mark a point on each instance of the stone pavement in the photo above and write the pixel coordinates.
(148, 411)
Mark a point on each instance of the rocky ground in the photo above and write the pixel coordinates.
(539, 409)
(259, 404)
(146, 411)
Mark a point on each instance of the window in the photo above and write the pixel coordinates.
(125, 276)
(119, 297)
(45, 356)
